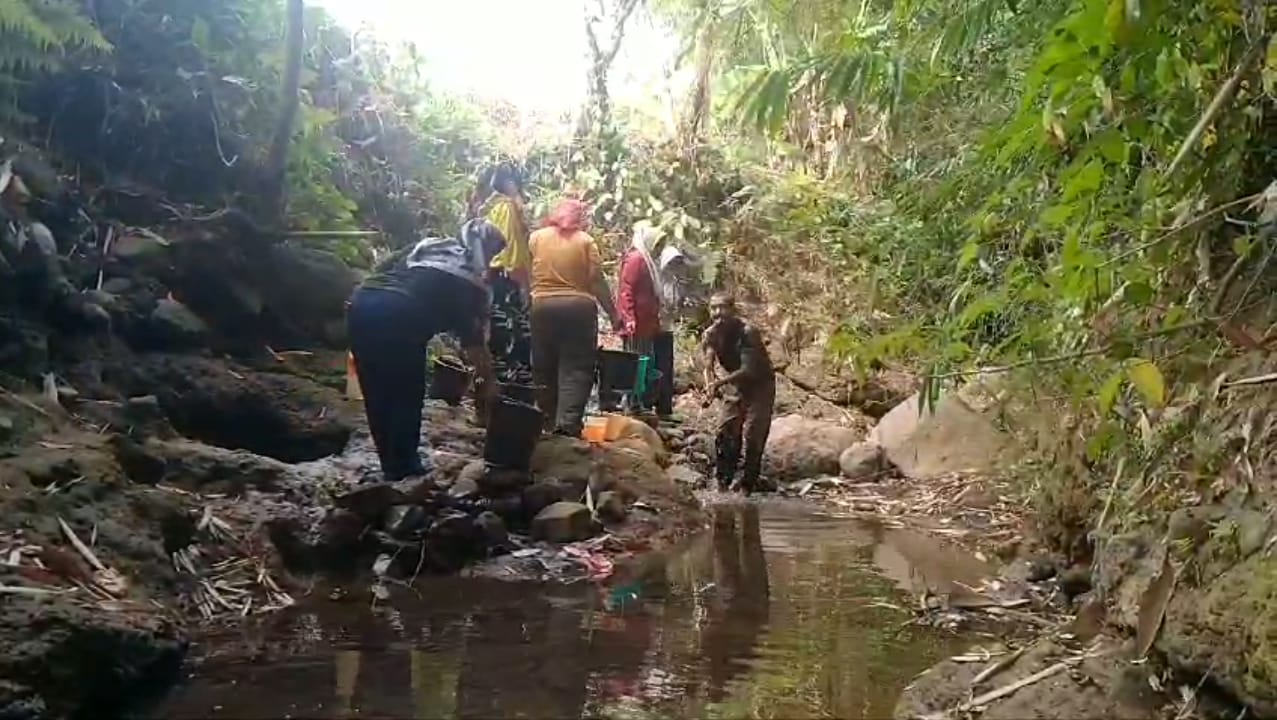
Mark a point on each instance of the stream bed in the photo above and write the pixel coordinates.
(777, 612)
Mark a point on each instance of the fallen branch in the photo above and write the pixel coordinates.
(80, 547)
(1222, 98)
(1256, 380)
(997, 667)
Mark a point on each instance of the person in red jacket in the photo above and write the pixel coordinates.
(639, 291)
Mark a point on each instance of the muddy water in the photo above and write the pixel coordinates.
(778, 612)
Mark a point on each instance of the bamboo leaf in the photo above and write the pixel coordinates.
(1148, 381)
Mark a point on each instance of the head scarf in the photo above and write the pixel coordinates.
(645, 238)
(669, 254)
(569, 216)
(467, 257)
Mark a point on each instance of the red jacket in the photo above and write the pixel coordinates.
(636, 300)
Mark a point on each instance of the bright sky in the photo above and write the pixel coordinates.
(532, 53)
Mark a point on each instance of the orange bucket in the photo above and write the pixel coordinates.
(595, 430)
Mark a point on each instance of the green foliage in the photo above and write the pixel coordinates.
(37, 36)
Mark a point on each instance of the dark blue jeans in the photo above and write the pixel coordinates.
(388, 339)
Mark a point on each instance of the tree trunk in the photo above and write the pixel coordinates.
(277, 162)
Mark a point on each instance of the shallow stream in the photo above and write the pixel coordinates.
(778, 612)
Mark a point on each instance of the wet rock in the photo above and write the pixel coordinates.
(7, 428)
(563, 522)
(509, 508)
(371, 502)
(451, 541)
(685, 475)
(405, 522)
(500, 481)
(1252, 531)
(177, 326)
(539, 496)
(492, 530)
(611, 507)
(464, 488)
(861, 462)
(473, 472)
(801, 448)
(448, 466)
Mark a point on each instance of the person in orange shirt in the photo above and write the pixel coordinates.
(567, 284)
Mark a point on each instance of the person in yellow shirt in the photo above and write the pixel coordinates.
(509, 333)
(567, 286)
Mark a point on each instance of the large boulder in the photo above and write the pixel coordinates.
(959, 436)
(224, 404)
(802, 448)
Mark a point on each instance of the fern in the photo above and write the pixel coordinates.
(35, 37)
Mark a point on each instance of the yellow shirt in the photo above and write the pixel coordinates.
(505, 215)
(563, 265)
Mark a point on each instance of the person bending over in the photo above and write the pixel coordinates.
(749, 397)
(440, 286)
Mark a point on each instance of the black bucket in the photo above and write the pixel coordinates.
(517, 391)
(618, 370)
(448, 381)
(513, 430)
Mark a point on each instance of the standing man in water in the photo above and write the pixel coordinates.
(750, 396)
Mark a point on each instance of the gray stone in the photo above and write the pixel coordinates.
(370, 502)
(861, 462)
(500, 481)
(1252, 531)
(463, 488)
(1191, 525)
(611, 507)
(178, 321)
(138, 246)
(800, 448)
(405, 522)
(117, 285)
(563, 522)
(685, 475)
(6, 427)
(539, 496)
(67, 394)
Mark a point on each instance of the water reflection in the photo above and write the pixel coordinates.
(774, 613)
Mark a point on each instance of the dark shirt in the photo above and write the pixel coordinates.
(443, 302)
(737, 344)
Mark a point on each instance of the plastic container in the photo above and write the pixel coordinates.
(642, 378)
(513, 430)
(618, 370)
(448, 381)
(595, 430)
